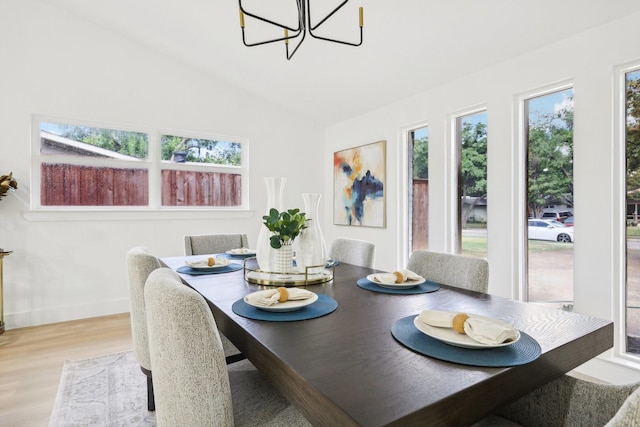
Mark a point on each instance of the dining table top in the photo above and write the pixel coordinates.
(346, 368)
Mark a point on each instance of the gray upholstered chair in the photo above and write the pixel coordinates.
(140, 263)
(351, 251)
(214, 243)
(570, 401)
(461, 271)
(192, 384)
(217, 244)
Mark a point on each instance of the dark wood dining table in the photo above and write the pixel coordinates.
(346, 368)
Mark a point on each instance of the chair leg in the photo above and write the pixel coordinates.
(151, 402)
(235, 358)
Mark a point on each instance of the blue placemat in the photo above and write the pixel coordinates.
(227, 269)
(423, 288)
(322, 307)
(525, 350)
(235, 256)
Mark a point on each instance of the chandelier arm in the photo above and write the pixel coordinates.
(268, 21)
(338, 41)
(302, 25)
(244, 41)
(295, 49)
(313, 27)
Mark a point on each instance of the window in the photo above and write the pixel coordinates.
(106, 167)
(632, 154)
(550, 237)
(471, 141)
(182, 185)
(418, 161)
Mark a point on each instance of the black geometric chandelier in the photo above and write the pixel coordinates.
(304, 25)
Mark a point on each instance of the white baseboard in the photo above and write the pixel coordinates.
(63, 314)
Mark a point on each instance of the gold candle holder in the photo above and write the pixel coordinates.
(3, 254)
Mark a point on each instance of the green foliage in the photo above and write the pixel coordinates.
(134, 144)
(633, 131)
(421, 158)
(473, 165)
(202, 150)
(285, 226)
(474, 159)
(550, 162)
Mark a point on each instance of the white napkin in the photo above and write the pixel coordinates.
(389, 278)
(271, 296)
(204, 262)
(241, 251)
(481, 330)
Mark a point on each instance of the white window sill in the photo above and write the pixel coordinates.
(134, 214)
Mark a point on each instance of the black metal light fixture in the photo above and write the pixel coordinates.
(304, 24)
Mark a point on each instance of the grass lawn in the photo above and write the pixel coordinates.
(477, 246)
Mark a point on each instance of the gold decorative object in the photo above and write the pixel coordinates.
(7, 183)
(310, 276)
(3, 254)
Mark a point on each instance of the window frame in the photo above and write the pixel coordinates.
(619, 235)
(455, 120)
(153, 164)
(457, 125)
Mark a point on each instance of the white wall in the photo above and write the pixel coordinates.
(54, 64)
(586, 60)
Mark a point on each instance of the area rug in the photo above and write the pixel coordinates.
(108, 390)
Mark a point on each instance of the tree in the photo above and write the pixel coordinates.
(202, 150)
(473, 166)
(550, 173)
(421, 158)
(633, 131)
(134, 144)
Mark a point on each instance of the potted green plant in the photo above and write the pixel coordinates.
(285, 226)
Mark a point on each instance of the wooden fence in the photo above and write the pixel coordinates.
(420, 215)
(72, 185)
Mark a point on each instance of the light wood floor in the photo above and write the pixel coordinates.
(31, 361)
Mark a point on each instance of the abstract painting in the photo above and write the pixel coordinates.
(358, 185)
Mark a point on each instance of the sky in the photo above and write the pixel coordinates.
(538, 106)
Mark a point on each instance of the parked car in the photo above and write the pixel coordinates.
(568, 222)
(543, 229)
(560, 216)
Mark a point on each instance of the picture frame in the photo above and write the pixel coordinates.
(359, 178)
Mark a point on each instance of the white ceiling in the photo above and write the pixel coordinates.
(409, 45)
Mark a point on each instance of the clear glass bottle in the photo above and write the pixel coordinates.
(311, 249)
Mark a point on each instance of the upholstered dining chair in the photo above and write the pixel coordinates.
(352, 251)
(192, 383)
(140, 263)
(570, 401)
(461, 271)
(214, 243)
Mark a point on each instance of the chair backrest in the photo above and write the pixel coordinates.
(214, 243)
(140, 263)
(461, 271)
(629, 413)
(351, 251)
(190, 378)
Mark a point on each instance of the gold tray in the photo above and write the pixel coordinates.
(296, 278)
